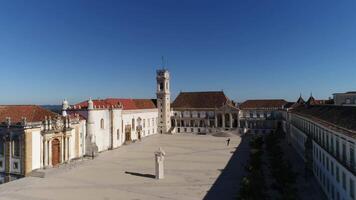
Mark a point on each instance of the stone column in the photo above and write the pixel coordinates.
(216, 120)
(50, 153)
(238, 120)
(69, 149)
(223, 120)
(62, 150)
(45, 153)
(230, 116)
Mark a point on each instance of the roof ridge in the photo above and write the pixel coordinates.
(215, 91)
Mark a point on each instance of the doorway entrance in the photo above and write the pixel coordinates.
(56, 152)
(127, 133)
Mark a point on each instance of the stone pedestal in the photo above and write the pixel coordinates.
(159, 163)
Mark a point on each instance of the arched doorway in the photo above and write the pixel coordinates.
(56, 152)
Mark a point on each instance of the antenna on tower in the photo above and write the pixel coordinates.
(164, 62)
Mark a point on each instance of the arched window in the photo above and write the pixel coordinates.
(102, 124)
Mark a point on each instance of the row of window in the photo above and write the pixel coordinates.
(15, 144)
(348, 101)
(195, 114)
(264, 115)
(339, 147)
(194, 123)
(150, 122)
(334, 173)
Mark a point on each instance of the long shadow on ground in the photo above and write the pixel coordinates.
(141, 175)
(228, 183)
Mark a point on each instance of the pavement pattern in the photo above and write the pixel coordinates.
(193, 165)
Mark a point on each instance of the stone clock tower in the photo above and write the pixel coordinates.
(163, 101)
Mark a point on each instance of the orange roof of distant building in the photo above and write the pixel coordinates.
(32, 113)
(210, 99)
(263, 103)
(127, 104)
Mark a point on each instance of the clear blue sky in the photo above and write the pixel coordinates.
(50, 50)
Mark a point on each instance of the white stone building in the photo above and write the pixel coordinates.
(345, 99)
(32, 138)
(324, 136)
(115, 121)
(203, 112)
(261, 115)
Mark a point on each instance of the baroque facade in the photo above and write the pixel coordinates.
(33, 138)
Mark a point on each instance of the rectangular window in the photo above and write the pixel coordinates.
(352, 188)
(2, 146)
(323, 159)
(327, 141)
(352, 158)
(16, 147)
(332, 145)
(337, 148)
(344, 180)
(344, 152)
(337, 174)
(16, 165)
(332, 168)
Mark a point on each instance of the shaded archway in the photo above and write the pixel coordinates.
(234, 122)
(220, 122)
(227, 120)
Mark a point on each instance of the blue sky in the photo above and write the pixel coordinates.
(50, 50)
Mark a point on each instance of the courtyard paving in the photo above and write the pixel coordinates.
(196, 167)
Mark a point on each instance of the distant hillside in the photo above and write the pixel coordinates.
(53, 108)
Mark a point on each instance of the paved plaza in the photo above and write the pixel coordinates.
(195, 168)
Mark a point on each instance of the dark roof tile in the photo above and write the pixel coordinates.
(212, 99)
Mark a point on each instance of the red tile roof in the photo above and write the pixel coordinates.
(337, 116)
(213, 99)
(263, 104)
(127, 104)
(32, 113)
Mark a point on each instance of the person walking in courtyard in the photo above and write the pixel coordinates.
(228, 142)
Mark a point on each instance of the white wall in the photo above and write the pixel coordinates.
(102, 136)
(149, 115)
(117, 128)
(36, 149)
